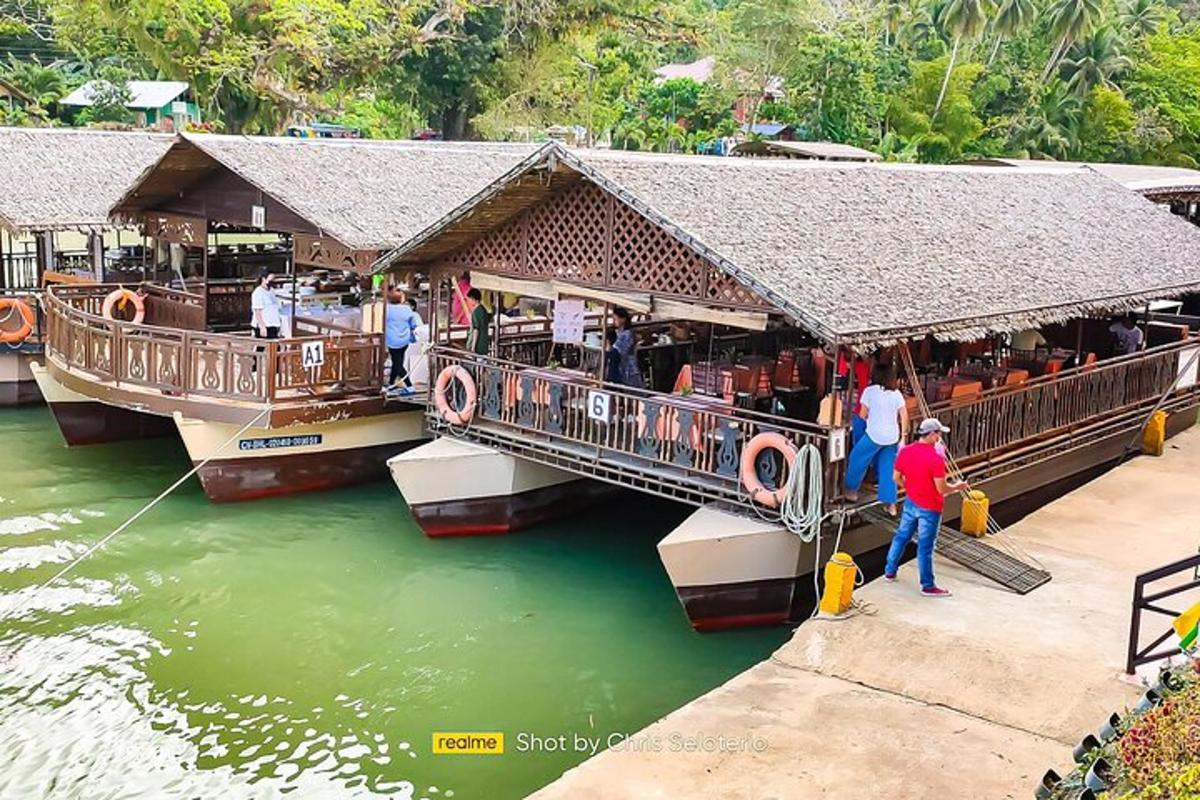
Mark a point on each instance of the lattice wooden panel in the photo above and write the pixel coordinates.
(722, 288)
(646, 257)
(567, 236)
(500, 250)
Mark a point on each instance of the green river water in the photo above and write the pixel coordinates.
(309, 646)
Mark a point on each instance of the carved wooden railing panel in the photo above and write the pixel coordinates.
(172, 308)
(686, 447)
(1008, 416)
(198, 363)
(229, 303)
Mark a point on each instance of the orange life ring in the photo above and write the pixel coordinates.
(124, 295)
(28, 320)
(442, 388)
(765, 441)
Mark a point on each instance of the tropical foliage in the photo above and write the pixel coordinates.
(929, 80)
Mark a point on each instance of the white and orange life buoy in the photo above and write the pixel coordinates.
(441, 392)
(124, 296)
(759, 493)
(8, 305)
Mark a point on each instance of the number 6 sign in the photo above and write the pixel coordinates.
(599, 405)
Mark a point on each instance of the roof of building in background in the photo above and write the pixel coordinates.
(1148, 179)
(12, 90)
(700, 70)
(823, 151)
(368, 194)
(64, 179)
(766, 128)
(875, 252)
(142, 94)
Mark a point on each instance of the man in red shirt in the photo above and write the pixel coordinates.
(921, 471)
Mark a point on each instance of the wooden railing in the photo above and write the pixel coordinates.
(172, 308)
(179, 362)
(686, 447)
(1009, 415)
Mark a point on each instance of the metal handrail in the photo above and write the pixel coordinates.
(1142, 602)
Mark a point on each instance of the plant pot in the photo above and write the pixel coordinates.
(1168, 681)
(1098, 775)
(1047, 786)
(1086, 745)
(1111, 728)
(1086, 794)
(1149, 700)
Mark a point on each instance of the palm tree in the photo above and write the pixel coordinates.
(1070, 21)
(892, 17)
(1142, 17)
(1049, 130)
(1011, 17)
(45, 84)
(1094, 61)
(961, 19)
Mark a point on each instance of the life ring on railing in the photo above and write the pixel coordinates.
(28, 320)
(759, 493)
(441, 392)
(124, 296)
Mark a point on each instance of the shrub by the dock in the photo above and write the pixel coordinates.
(1159, 755)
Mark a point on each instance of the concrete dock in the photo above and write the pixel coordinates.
(974, 696)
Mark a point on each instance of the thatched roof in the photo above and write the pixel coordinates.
(367, 194)
(1147, 179)
(63, 179)
(874, 252)
(821, 151)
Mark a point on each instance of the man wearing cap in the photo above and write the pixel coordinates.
(921, 471)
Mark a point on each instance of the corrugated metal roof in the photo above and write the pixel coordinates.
(142, 94)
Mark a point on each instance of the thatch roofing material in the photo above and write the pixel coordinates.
(56, 179)
(874, 252)
(367, 194)
(1147, 179)
(821, 151)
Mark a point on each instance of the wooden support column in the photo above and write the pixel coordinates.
(95, 245)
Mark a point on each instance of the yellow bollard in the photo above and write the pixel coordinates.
(974, 518)
(1154, 438)
(840, 574)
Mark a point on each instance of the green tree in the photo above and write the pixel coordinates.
(110, 97)
(833, 88)
(1142, 17)
(45, 84)
(1106, 126)
(1164, 88)
(944, 137)
(1095, 61)
(961, 19)
(1050, 129)
(1012, 17)
(1070, 21)
(759, 46)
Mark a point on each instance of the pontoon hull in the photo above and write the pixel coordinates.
(17, 384)
(264, 462)
(457, 488)
(84, 421)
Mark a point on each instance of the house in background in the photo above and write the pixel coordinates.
(702, 71)
(158, 105)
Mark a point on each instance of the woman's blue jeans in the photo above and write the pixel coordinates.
(925, 524)
(867, 454)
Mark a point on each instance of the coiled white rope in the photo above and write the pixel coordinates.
(801, 509)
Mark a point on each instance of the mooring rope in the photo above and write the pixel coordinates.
(162, 495)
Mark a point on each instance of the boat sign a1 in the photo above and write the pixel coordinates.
(312, 354)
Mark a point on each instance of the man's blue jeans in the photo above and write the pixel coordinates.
(925, 525)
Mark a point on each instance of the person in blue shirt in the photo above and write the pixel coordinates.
(400, 329)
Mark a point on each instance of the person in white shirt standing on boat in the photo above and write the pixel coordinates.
(265, 318)
(1129, 336)
(882, 406)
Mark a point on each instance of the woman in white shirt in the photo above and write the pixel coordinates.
(882, 406)
(265, 318)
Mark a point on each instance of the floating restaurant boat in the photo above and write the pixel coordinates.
(58, 185)
(750, 281)
(258, 417)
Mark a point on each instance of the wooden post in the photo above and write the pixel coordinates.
(95, 245)
(603, 343)
(3, 265)
(1079, 341)
(204, 279)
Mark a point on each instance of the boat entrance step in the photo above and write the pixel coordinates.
(977, 555)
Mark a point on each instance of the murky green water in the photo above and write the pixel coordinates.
(311, 645)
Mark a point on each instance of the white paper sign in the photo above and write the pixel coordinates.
(568, 322)
(1187, 368)
(599, 406)
(837, 444)
(312, 354)
(258, 217)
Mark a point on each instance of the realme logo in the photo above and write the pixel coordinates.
(474, 744)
